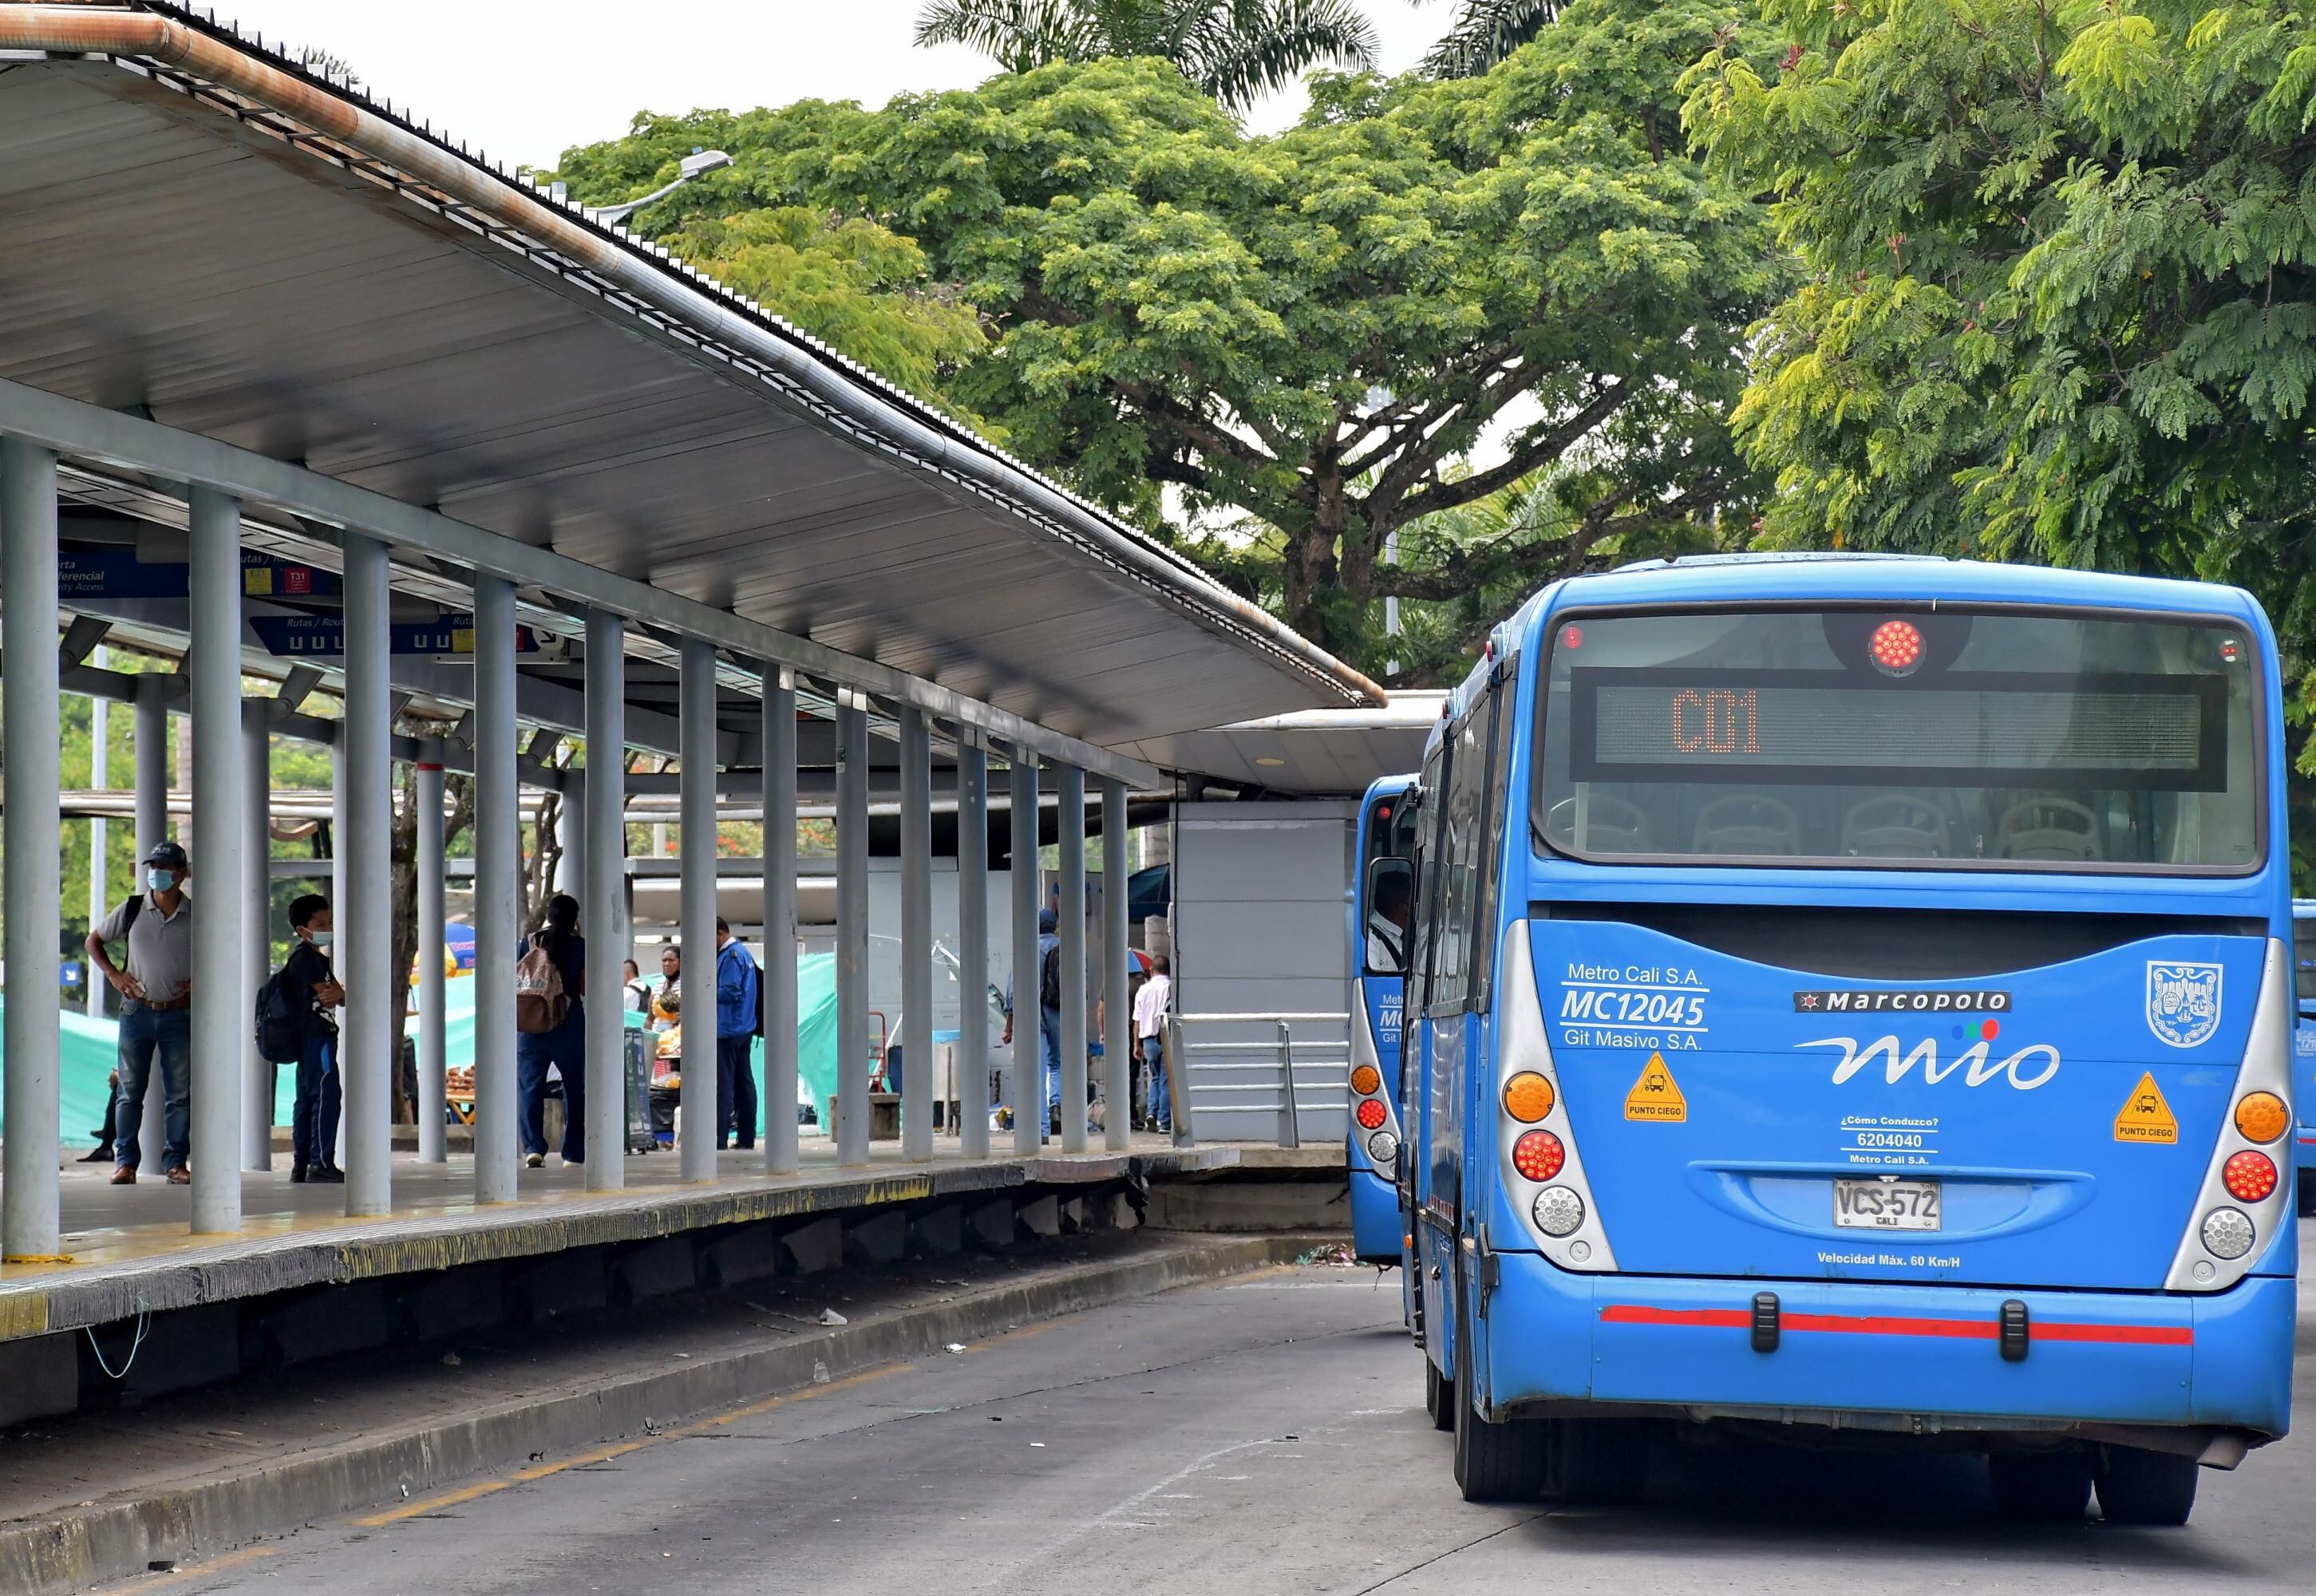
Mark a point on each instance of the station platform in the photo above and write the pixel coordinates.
(129, 1251)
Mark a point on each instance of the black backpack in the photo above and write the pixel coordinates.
(280, 1019)
(1049, 980)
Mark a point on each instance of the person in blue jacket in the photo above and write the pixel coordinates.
(735, 1037)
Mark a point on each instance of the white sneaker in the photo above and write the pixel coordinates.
(534, 1161)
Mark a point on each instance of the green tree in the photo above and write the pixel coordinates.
(1484, 32)
(1236, 50)
(846, 280)
(2060, 303)
(855, 285)
(1425, 294)
(1315, 329)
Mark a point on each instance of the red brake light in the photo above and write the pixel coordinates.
(1896, 647)
(2249, 1176)
(1538, 1155)
(1574, 636)
(1371, 1113)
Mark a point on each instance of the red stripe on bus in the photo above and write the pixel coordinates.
(2164, 1335)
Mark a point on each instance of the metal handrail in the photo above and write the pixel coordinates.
(1280, 1046)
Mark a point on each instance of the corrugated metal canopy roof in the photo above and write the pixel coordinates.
(1311, 753)
(290, 270)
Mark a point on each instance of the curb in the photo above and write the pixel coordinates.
(72, 1551)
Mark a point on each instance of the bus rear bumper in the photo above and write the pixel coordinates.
(1929, 1357)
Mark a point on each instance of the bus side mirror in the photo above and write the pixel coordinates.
(1390, 899)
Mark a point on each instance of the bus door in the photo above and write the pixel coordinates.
(1382, 921)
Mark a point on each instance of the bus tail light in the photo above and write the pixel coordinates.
(2241, 1204)
(2228, 1232)
(2249, 1176)
(1527, 1097)
(1538, 1155)
(1366, 1080)
(1372, 1113)
(1540, 1170)
(1384, 1148)
(1558, 1211)
(2262, 1116)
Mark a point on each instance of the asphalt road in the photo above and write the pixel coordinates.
(1259, 1436)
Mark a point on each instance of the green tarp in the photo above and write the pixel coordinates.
(88, 1048)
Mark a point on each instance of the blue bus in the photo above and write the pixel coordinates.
(1382, 913)
(2304, 1049)
(1852, 997)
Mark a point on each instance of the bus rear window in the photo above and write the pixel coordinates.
(1912, 738)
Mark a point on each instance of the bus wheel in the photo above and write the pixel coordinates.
(1599, 1462)
(1439, 1397)
(2040, 1487)
(2137, 1486)
(1494, 1462)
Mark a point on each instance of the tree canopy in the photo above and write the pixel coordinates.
(2060, 303)
(1423, 295)
(1233, 50)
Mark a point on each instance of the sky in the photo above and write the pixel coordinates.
(524, 80)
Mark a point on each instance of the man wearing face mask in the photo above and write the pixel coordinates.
(156, 1009)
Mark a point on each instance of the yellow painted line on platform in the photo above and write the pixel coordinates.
(239, 1559)
(521, 1477)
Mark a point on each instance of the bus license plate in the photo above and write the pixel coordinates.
(1887, 1205)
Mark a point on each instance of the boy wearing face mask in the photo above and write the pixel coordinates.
(313, 1113)
(156, 1009)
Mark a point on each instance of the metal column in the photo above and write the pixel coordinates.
(342, 948)
(1072, 839)
(371, 1050)
(151, 769)
(221, 1025)
(780, 973)
(256, 930)
(696, 809)
(916, 937)
(432, 1060)
(29, 835)
(602, 878)
(1117, 1027)
(498, 857)
(1028, 1096)
(851, 931)
(972, 946)
(99, 777)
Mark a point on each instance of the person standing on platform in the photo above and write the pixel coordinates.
(156, 1005)
(1050, 1013)
(1150, 1006)
(667, 997)
(314, 1116)
(552, 1025)
(736, 979)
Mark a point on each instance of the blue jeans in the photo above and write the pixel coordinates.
(1161, 1105)
(1049, 1028)
(736, 1089)
(314, 1111)
(565, 1047)
(143, 1032)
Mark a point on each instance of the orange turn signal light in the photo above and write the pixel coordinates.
(1527, 1097)
(2262, 1116)
(1366, 1080)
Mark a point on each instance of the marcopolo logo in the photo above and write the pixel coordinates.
(1905, 1001)
(2183, 1002)
(2026, 1068)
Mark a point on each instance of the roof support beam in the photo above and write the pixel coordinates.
(90, 433)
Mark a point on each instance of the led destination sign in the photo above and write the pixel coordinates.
(1657, 724)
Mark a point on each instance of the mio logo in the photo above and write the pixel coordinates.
(2029, 1067)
